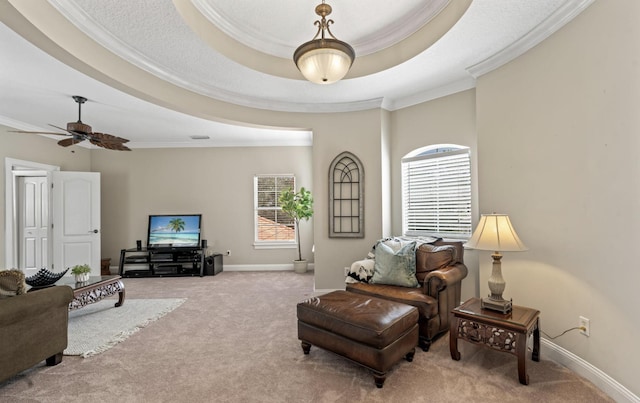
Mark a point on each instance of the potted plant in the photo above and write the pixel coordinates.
(81, 272)
(299, 206)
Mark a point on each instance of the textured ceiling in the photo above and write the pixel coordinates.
(224, 49)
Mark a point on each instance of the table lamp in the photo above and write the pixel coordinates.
(495, 233)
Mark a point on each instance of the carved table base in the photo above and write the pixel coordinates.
(503, 332)
(96, 289)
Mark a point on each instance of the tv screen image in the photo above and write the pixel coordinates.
(174, 231)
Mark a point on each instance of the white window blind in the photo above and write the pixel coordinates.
(271, 224)
(436, 193)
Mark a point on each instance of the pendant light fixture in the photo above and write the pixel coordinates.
(324, 60)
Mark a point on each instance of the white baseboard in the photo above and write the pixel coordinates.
(581, 367)
(232, 267)
(262, 267)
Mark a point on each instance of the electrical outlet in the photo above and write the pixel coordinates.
(584, 325)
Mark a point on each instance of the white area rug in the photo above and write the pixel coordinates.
(100, 326)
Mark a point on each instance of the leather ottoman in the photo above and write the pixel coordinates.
(373, 332)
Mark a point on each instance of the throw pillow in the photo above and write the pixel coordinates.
(393, 242)
(360, 271)
(12, 282)
(395, 267)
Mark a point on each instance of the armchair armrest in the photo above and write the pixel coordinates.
(438, 280)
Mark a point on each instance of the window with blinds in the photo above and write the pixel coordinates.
(436, 192)
(272, 225)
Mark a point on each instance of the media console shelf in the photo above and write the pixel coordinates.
(162, 262)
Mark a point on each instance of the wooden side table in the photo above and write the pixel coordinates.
(503, 332)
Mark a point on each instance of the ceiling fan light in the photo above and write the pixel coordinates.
(324, 61)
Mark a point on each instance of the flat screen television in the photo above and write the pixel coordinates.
(174, 231)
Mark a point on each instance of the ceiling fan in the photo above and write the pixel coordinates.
(79, 131)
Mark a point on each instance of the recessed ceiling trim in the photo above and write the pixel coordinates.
(430, 95)
(413, 45)
(79, 18)
(366, 65)
(400, 30)
(252, 38)
(379, 40)
(19, 125)
(565, 13)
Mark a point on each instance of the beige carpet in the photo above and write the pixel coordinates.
(235, 340)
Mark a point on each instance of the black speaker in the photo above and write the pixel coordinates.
(212, 265)
(139, 244)
(204, 244)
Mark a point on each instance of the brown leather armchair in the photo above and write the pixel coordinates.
(440, 270)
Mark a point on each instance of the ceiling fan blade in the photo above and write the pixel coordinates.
(68, 142)
(110, 145)
(60, 128)
(108, 138)
(24, 131)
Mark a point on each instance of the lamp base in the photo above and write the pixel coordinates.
(501, 305)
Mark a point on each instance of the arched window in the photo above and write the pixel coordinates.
(346, 197)
(436, 192)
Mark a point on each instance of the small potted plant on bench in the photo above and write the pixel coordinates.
(81, 272)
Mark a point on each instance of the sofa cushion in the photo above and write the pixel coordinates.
(12, 282)
(430, 257)
(395, 266)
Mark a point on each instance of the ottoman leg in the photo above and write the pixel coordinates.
(379, 378)
(410, 354)
(305, 347)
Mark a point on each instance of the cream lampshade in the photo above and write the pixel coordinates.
(495, 233)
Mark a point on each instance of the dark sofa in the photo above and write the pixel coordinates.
(33, 328)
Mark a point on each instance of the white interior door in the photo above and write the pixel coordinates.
(33, 222)
(75, 216)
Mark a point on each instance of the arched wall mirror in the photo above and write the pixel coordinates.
(346, 197)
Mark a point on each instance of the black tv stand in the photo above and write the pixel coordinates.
(162, 262)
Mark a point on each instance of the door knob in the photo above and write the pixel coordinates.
(95, 231)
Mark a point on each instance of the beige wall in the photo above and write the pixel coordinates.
(558, 141)
(448, 120)
(216, 182)
(359, 133)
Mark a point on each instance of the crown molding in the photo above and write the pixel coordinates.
(373, 43)
(19, 125)
(565, 13)
(72, 12)
(430, 95)
(250, 37)
(391, 35)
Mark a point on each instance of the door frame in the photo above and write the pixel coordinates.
(12, 169)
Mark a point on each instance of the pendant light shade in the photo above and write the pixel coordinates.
(324, 60)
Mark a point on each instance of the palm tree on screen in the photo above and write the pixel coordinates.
(176, 225)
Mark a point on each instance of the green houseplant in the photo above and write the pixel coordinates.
(81, 272)
(298, 206)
